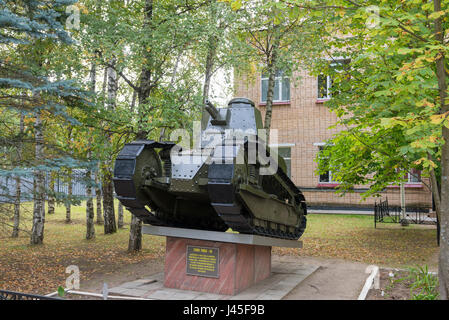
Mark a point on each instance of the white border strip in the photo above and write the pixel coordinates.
(373, 279)
(91, 294)
(280, 145)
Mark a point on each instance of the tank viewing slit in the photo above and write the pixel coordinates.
(219, 184)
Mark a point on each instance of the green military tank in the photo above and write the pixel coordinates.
(221, 183)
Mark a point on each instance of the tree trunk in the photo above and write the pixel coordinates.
(37, 231)
(120, 216)
(98, 198)
(145, 74)
(108, 203)
(135, 235)
(211, 53)
(443, 266)
(436, 200)
(90, 214)
(272, 61)
(133, 101)
(135, 230)
(172, 85)
(51, 198)
(435, 192)
(15, 230)
(112, 85)
(68, 206)
(212, 44)
(110, 225)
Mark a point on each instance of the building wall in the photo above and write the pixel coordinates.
(303, 123)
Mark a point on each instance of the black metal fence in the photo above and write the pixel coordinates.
(12, 295)
(383, 213)
(419, 215)
(61, 186)
(414, 214)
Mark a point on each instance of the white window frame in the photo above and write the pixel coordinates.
(290, 158)
(282, 145)
(333, 62)
(285, 145)
(410, 176)
(328, 87)
(319, 145)
(278, 78)
(330, 178)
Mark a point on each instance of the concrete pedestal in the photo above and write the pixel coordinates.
(240, 261)
(239, 266)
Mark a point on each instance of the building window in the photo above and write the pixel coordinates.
(281, 91)
(324, 86)
(325, 177)
(325, 81)
(414, 176)
(286, 153)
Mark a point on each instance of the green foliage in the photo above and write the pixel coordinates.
(26, 21)
(258, 26)
(424, 285)
(32, 83)
(61, 291)
(384, 91)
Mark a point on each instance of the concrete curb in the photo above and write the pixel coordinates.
(372, 280)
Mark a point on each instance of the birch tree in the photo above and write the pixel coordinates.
(30, 30)
(51, 199)
(272, 36)
(37, 232)
(90, 214)
(110, 225)
(18, 181)
(98, 199)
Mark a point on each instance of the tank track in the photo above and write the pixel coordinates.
(126, 192)
(236, 217)
(124, 184)
(245, 225)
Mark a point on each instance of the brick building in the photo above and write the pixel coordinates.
(302, 121)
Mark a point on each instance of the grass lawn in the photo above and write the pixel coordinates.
(353, 237)
(41, 268)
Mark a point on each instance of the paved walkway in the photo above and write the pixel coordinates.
(286, 275)
(294, 278)
(336, 279)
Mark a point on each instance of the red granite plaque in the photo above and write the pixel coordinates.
(239, 266)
